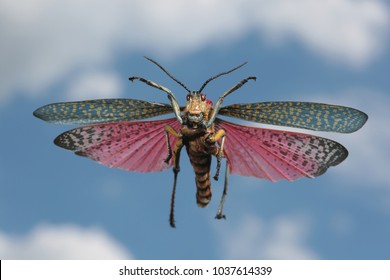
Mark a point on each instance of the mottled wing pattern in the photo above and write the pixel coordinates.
(308, 115)
(133, 146)
(276, 155)
(100, 111)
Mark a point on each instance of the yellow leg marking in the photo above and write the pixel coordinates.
(219, 154)
(213, 139)
(220, 133)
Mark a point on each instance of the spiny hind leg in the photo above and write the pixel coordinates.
(170, 130)
(176, 170)
(219, 153)
(220, 214)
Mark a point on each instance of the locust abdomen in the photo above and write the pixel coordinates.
(201, 164)
(199, 151)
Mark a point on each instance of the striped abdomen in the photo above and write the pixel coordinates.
(199, 152)
(201, 164)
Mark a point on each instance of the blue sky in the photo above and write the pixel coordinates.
(55, 205)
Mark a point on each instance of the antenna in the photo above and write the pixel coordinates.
(169, 74)
(220, 74)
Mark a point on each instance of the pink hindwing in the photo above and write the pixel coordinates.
(275, 155)
(133, 146)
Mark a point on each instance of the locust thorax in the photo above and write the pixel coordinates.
(197, 109)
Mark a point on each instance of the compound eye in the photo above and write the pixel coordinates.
(203, 97)
(188, 97)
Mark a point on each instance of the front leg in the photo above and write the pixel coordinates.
(219, 154)
(220, 100)
(171, 97)
(170, 130)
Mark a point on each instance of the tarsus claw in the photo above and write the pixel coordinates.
(220, 216)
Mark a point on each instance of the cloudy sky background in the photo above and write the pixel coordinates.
(55, 205)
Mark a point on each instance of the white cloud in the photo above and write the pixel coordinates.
(346, 31)
(253, 238)
(44, 41)
(94, 85)
(61, 242)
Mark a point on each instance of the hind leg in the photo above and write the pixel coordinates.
(176, 166)
(176, 170)
(170, 130)
(220, 214)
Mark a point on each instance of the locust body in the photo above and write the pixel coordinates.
(113, 135)
(200, 142)
(199, 148)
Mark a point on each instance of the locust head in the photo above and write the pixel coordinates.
(197, 109)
